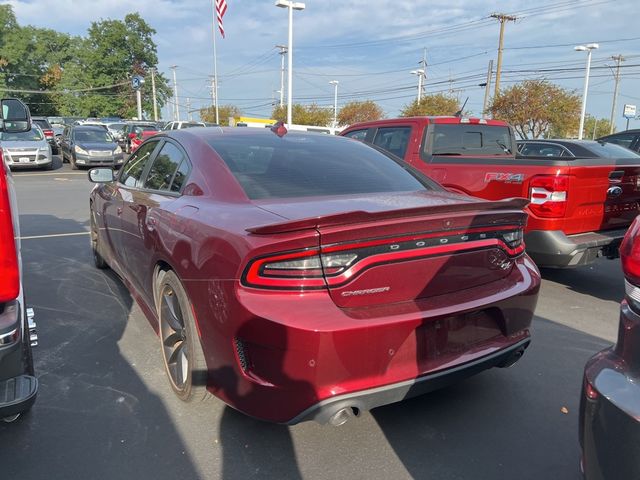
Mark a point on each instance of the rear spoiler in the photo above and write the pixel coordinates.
(360, 216)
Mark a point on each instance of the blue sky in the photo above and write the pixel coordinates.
(370, 46)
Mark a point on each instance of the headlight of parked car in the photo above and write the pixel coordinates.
(80, 150)
(117, 150)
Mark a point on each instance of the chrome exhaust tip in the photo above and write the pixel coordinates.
(341, 417)
(33, 333)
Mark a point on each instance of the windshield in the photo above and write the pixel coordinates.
(611, 150)
(118, 127)
(93, 136)
(471, 139)
(33, 135)
(303, 165)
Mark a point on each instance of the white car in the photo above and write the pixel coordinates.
(26, 149)
(182, 124)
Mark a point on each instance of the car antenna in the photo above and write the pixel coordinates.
(459, 112)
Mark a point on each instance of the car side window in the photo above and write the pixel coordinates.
(131, 175)
(623, 139)
(393, 139)
(542, 150)
(164, 168)
(357, 134)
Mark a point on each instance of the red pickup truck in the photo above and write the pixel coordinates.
(580, 206)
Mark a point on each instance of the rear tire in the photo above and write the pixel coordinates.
(182, 353)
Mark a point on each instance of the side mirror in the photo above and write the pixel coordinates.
(132, 135)
(15, 116)
(101, 175)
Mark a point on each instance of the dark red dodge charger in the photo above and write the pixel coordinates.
(310, 277)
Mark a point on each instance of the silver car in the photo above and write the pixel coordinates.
(26, 149)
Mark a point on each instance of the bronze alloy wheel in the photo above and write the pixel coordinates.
(181, 350)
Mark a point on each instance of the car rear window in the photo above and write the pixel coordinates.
(611, 150)
(304, 165)
(470, 139)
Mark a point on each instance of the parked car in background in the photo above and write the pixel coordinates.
(116, 129)
(610, 400)
(182, 124)
(48, 132)
(141, 136)
(88, 145)
(18, 384)
(276, 267)
(26, 149)
(131, 130)
(628, 139)
(581, 203)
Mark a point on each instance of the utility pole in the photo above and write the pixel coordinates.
(153, 94)
(176, 115)
(487, 89)
(189, 116)
(283, 52)
(423, 64)
(502, 18)
(619, 59)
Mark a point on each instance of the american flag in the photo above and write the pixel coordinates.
(221, 9)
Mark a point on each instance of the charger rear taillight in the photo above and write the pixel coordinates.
(548, 195)
(630, 253)
(9, 273)
(334, 265)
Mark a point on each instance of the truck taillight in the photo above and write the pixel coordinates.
(9, 273)
(548, 195)
(630, 254)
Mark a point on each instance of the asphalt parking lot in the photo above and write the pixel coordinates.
(105, 410)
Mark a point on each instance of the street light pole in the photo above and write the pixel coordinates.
(335, 101)
(283, 50)
(585, 48)
(153, 93)
(420, 74)
(176, 115)
(291, 6)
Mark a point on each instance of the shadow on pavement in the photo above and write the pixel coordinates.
(602, 280)
(503, 423)
(94, 417)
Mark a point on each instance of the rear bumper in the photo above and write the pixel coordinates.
(301, 357)
(610, 422)
(387, 394)
(552, 248)
(18, 390)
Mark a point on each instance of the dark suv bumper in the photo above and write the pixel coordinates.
(18, 387)
(552, 248)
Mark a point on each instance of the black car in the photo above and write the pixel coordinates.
(629, 139)
(86, 145)
(18, 384)
(49, 134)
(566, 149)
(610, 400)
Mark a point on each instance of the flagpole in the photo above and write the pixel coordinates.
(215, 60)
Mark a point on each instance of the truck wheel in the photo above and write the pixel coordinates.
(98, 259)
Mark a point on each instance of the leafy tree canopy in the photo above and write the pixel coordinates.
(437, 104)
(354, 112)
(224, 112)
(538, 108)
(304, 114)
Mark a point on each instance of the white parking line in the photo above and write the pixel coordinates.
(24, 174)
(33, 237)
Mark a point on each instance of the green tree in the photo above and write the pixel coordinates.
(596, 127)
(354, 112)
(224, 112)
(538, 108)
(437, 104)
(304, 114)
